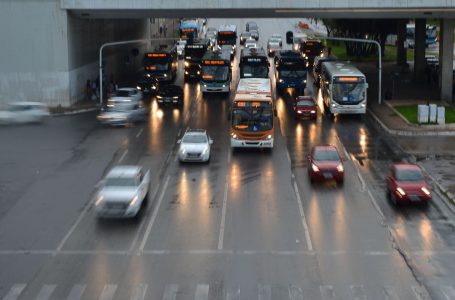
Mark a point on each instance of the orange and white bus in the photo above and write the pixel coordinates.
(252, 114)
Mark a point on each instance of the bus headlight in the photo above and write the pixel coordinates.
(234, 136)
(334, 105)
(362, 105)
(304, 81)
(280, 80)
(269, 137)
(223, 85)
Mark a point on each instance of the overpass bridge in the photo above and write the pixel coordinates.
(50, 47)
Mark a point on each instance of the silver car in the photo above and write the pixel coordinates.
(122, 192)
(24, 112)
(250, 43)
(181, 48)
(195, 146)
(273, 45)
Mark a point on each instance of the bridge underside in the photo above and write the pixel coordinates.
(266, 13)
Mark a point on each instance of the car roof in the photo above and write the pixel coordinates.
(406, 166)
(124, 171)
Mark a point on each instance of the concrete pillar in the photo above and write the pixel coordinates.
(419, 50)
(401, 38)
(446, 59)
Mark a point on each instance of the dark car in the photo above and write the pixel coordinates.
(148, 84)
(317, 68)
(171, 94)
(305, 107)
(324, 163)
(406, 183)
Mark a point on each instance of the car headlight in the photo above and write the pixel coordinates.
(299, 111)
(159, 97)
(198, 72)
(99, 200)
(280, 80)
(182, 150)
(426, 191)
(304, 81)
(315, 168)
(138, 87)
(186, 72)
(340, 168)
(400, 191)
(134, 200)
(204, 152)
(334, 105)
(165, 75)
(204, 85)
(153, 87)
(313, 111)
(175, 97)
(187, 64)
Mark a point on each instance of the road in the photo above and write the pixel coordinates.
(248, 225)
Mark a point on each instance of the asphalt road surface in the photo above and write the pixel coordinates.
(247, 225)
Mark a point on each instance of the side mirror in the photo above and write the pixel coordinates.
(366, 85)
(179, 141)
(210, 141)
(289, 37)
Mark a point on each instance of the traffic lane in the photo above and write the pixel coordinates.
(40, 217)
(262, 208)
(28, 151)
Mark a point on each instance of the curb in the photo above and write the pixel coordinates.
(75, 112)
(448, 198)
(408, 132)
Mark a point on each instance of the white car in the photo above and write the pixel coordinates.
(244, 36)
(250, 43)
(273, 45)
(126, 94)
(24, 112)
(278, 37)
(195, 146)
(181, 48)
(122, 192)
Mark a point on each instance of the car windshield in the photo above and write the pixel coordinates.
(194, 139)
(215, 73)
(409, 175)
(305, 103)
(122, 93)
(18, 107)
(292, 73)
(120, 182)
(246, 34)
(348, 92)
(326, 155)
(252, 120)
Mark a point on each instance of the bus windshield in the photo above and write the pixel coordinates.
(255, 71)
(227, 38)
(252, 120)
(215, 73)
(292, 73)
(156, 63)
(348, 92)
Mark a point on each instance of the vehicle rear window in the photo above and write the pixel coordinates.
(409, 175)
(326, 155)
(123, 93)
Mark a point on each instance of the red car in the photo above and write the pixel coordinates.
(305, 107)
(324, 163)
(406, 184)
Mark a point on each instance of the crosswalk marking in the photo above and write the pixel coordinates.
(357, 292)
(170, 292)
(15, 291)
(327, 292)
(233, 295)
(202, 292)
(139, 292)
(108, 292)
(264, 292)
(46, 292)
(76, 292)
(389, 293)
(295, 293)
(448, 292)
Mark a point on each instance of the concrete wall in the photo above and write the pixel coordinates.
(33, 54)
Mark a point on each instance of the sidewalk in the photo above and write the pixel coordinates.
(79, 107)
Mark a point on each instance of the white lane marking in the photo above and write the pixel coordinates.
(302, 216)
(448, 292)
(327, 292)
(46, 292)
(139, 133)
(264, 292)
(288, 156)
(202, 292)
(295, 293)
(358, 293)
(229, 155)
(361, 180)
(15, 291)
(108, 292)
(76, 292)
(223, 217)
(233, 294)
(420, 292)
(375, 204)
(136, 238)
(389, 293)
(155, 213)
(170, 292)
(123, 156)
(139, 292)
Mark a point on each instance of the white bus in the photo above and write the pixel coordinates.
(343, 88)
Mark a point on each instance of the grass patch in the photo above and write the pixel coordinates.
(410, 113)
(390, 53)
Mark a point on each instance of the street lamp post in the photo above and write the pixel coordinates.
(116, 44)
(379, 56)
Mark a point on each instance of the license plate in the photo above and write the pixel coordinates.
(327, 175)
(414, 198)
